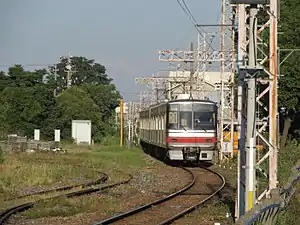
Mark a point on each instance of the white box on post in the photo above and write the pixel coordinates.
(36, 134)
(57, 135)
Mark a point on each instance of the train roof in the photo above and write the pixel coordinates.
(190, 100)
(180, 100)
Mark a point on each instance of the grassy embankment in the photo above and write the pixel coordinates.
(287, 158)
(21, 171)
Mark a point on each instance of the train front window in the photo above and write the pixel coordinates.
(186, 116)
(173, 117)
(191, 116)
(185, 122)
(204, 121)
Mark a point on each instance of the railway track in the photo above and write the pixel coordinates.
(6, 214)
(174, 206)
(101, 180)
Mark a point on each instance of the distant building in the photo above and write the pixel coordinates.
(205, 85)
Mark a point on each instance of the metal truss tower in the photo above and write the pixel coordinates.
(227, 113)
(131, 118)
(157, 92)
(268, 63)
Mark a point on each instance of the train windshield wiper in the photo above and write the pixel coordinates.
(182, 127)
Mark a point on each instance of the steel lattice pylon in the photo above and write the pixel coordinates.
(269, 62)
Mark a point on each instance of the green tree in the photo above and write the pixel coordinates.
(105, 96)
(75, 104)
(27, 100)
(86, 72)
(289, 84)
(19, 109)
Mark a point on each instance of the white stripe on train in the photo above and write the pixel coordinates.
(209, 133)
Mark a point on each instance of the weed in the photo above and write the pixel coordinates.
(23, 172)
(107, 141)
(1, 155)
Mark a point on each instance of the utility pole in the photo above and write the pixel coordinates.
(248, 77)
(130, 116)
(251, 111)
(192, 71)
(241, 175)
(121, 122)
(69, 70)
(273, 95)
(222, 72)
(55, 70)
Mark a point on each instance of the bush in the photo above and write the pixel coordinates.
(287, 158)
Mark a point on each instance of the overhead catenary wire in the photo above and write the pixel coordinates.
(188, 12)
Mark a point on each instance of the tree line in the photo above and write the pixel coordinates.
(41, 100)
(289, 82)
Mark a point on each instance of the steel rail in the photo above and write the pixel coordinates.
(101, 180)
(194, 207)
(165, 199)
(25, 206)
(147, 206)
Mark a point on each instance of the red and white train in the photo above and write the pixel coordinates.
(182, 129)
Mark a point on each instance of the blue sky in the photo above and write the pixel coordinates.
(123, 35)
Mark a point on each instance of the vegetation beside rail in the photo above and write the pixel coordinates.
(28, 171)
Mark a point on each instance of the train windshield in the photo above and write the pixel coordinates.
(192, 116)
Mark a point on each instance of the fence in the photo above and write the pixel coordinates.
(268, 210)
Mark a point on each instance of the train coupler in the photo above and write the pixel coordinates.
(191, 154)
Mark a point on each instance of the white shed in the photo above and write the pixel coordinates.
(82, 131)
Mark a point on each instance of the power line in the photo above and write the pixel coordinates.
(188, 12)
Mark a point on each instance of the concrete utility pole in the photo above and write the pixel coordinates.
(55, 78)
(241, 190)
(251, 110)
(222, 72)
(249, 126)
(192, 71)
(69, 70)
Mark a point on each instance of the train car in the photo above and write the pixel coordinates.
(181, 129)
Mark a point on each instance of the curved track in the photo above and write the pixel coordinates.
(172, 207)
(102, 179)
(25, 206)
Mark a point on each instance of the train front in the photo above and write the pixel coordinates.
(192, 130)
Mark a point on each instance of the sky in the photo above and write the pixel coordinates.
(123, 35)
